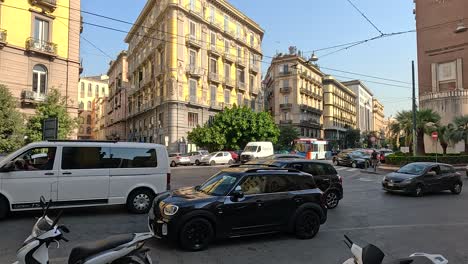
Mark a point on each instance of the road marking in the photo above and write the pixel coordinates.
(366, 179)
(340, 168)
(393, 227)
(352, 169)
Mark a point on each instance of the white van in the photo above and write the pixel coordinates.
(83, 173)
(256, 150)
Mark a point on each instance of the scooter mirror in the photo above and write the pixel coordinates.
(42, 202)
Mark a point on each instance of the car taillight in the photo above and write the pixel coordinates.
(168, 181)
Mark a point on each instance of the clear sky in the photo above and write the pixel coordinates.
(306, 24)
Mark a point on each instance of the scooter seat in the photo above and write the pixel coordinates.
(81, 252)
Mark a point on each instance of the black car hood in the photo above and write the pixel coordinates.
(187, 195)
(399, 176)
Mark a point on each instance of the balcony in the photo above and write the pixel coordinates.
(215, 50)
(194, 71)
(3, 37)
(286, 122)
(214, 77)
(40, 46)
(285, 106)
(228, 57)
(285, 73)
(49, 4)
(254, 68)
(254, 91)
(241, 86)
(193, 9)
(192, 41)
(228, 82)
(224, 105)
(310, 123)
(240, 62)
(316, 96)
(285, 90)
(311, 109)
(241, 38)
(31, 97)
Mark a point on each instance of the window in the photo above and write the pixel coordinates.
(213, 93)
(218, 185)
(239, 99)
(85, 158)
(88, 130)
(446, 77)
(227, 96)
(193, 89)
(253, 185)
(35, 159)
(240, 75)
(212, 14)
(90, 90)
(239, 52)
(238, 30)
(82, 91)
(213, 39)
(39, 83)
(446, 169)
(284, 68)
(192, 58)
(226, 23)
(134, 158)
(213, 64)
(251, 39)
(192, 119)
(81, 130)
(41, 31)
(227, 71)
(89, 106)
(285, 115)
(161, 60)
(161, 119)
(252, 82)
(285, 83)
(192, 4)
(286, 99)
(252, 104)
(211, 119)
(193, 29)
(226, 45)
(280, 183)
(96, 91)
(88, 120)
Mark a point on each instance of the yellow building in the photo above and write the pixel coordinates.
(188, 59)
(379, 117)
(39, 50)
(98, 118)
(339, 113)
(293, 89)
(90, 89)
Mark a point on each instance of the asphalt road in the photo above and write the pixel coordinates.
(400, 225)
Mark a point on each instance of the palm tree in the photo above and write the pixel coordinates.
(445, 135)
(403, 127)
(423, 117)
(461, 130)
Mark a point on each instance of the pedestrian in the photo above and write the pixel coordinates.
(374, 159)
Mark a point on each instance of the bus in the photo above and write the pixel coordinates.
(316, 146)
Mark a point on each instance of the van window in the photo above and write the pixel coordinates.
(35, 159)
(259, 148)
(75, 158)
(134, 158)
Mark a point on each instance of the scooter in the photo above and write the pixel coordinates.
(371, 254)
(117, 249)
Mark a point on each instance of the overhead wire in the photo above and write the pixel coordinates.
(365, 17)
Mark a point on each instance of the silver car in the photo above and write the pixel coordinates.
(176, 159)
(197, 156)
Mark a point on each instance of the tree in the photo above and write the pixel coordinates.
(460, 130)
(445, 135)
(352, 138)
(287, 135)
(53, 106)
(234, 128)
(11, 123)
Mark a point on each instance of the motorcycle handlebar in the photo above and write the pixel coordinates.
(57, 218)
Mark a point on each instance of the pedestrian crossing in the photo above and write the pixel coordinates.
(346, 169)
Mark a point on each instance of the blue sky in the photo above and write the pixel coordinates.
(307, 24)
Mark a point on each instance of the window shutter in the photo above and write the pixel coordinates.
(460, 74)
(435, 85)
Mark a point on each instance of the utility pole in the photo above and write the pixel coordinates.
(414, 110)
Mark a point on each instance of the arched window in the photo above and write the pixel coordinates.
(88, 120)
(89, 106)
(82, 91)
(39, 82)
(96, 91)
(81, 105)
(88, 130)
(90, 90)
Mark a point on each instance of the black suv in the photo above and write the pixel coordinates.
(239, 202)
(325, 176)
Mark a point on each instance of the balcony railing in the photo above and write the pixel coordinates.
(285, 73)
(289, 121)
(229, 57)
(41, 46)
(285, 89)
(254, 68)
(240, 62)
(241, 86)
(50, 4)
(229, 82)
(285, 106)
(254, 91)
(310, 123)
(214, 77)
(194, 71)
(311, 109)
(215, 50)
(28, 96)
(194, 10)
(3, 37)
(192, 40)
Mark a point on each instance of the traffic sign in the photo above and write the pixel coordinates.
(435, 135)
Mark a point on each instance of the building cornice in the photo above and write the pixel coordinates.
(294, 58)
(358, 82)
(330, 80)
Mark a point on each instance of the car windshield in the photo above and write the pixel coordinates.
(251, 148)
(219, 184)
(413, 169)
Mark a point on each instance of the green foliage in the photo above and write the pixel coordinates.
(287, 135)
(11, 123)
(352, 138)
(233, 128)
(53, 106)
(449, 159)
(461, 130)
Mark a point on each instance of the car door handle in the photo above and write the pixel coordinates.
(66, 173)
(298, 200)
(260, 203)
(49, 173)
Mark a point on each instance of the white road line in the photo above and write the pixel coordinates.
(393, 227)
(352, 169)
(340, 168)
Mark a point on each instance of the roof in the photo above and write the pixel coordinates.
(98, 78)
(358, 82)
(53, 143)
(296, 57)
(330, 79)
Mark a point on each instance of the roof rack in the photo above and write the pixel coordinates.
(252, 165)
(272, 169)
(82, 140)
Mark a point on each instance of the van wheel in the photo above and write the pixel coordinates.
(4, 208)
(307, 224)
(139, 201)
(196, 234)
(173, 164)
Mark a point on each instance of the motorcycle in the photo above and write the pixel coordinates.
(117, 249)
(371, 254)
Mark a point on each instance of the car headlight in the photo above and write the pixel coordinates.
(170, 209)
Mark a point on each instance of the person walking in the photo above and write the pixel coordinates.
(374, 159)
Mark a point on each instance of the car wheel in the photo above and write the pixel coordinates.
(4, 208)
(197, 162)
(307, 224)
(354, 164)
(196, 234)
(419, 190)
(335, 162)
(212, 163)
(173, 164)
(331, 199)
(456, 188)
(230, 162)
(139, 201)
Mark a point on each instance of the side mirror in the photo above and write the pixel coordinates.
(431, 174)
(10, 166)
(237, 194)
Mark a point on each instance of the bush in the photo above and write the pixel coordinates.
(402, 160)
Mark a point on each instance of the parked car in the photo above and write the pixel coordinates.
(354, 159)
(239, 202)
(196, 156)
(79, 174)
(257, 150)
(216, 158)
(324, 174)
(418, 178)
(178, 159)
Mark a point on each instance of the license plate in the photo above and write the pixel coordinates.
(164, 229)
(390, 184)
